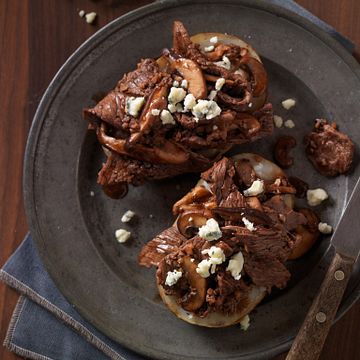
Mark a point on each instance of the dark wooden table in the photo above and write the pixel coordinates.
(36, 37)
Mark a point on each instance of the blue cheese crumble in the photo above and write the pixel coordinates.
(210, 231)
(173, 277)
(134, 105)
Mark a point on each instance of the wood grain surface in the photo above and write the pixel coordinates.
(36, 37)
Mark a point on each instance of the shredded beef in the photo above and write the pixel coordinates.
(163, 244)
(329, 150)
(139, 135)
(141, 81)
(289, 217)
(119, 169)
(266, 271)
(266, 246)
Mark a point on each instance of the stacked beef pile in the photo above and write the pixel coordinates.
(181, 112)
(235, 230)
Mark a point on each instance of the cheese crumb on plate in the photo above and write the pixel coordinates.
(127, 216)
(122, 235)
(288, 103)
(316, 196)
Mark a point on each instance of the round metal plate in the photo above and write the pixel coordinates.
(74, 231)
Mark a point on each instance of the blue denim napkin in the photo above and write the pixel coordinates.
(43, 323)
(44, 326)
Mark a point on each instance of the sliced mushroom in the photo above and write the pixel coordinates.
(259, 95)
(168, 153)
(192, 73)
(194, 298)
(156, 101)
(258, 73)
(197, 194)
(305, 235)
(214, 78)
(190, 221)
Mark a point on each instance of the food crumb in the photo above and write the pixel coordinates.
(122, 235)
(219, 84)
(288, 103)
(127, 216)
(289, 124)
(151, 216)
(248, 224)
(90, 17)
(256, 188)
(172, 277)
(81, 13)
(325, 228)
(92, 193)
(214, 39)
(245, 322)
(316, 196)
(278, 121)
(209, 48)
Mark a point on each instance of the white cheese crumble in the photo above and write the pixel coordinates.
(172, 108)
(210, 231)
(289, 124)
(166, 117)
(155, 112)
(207, 266)
(214, 39)
(122, 235)
(127, 216)
(172, 277)
(207, 108)
(175, 108)
(316, 196)
(245, 322)
(277, 182)
(256, 188)
(90, 17)
(176, 83)
(288, 103)
(236, 264)
(248, 224)
(189, 102)
(325, 228)
(278, 121)
(184, 84)
(203, 268)
(134, 105)
(92, 194)
(81, 13)
(209, 48)
(225, 63)
(212, 95)
(219, 84)
(176, 95)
